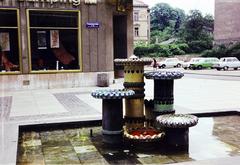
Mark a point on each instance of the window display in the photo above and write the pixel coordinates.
(54, 40)
(9, 41)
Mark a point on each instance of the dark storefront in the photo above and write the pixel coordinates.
(47, 41)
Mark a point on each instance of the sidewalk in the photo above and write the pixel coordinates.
(76, 104)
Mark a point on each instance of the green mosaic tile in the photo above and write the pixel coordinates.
(60, 155)
(29, 136)
(156, 160)
(95, 162)
(32, 143)
(85, 149)
(55, 138)
(30, 155)
(181, 157)
(78, 137)
(89, 156)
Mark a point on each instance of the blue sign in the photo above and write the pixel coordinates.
(92, 25)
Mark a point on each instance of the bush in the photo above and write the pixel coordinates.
(175, 49)
(223, 51)
(141, 51)
(156, 50)
(199, 46)
(184, 47)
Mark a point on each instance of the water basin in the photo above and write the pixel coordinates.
(213, 137)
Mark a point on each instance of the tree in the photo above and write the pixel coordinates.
(163, 16)
(197, 27)
(197, 31)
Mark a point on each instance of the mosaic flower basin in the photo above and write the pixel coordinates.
(164, 75)
(177, 121)
(144, 135)
(112, 93)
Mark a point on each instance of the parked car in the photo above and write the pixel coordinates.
(186, 65)
(204, 63)
(170, 62)
(227, 62)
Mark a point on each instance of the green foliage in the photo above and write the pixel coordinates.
(223, 51)
(156, 50)
(175, 49)
(194, 31)
(184, 47)
(197, 27)
(159, 36)
(163, 16)
(199, 46)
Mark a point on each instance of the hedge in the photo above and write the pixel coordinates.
(156, 50)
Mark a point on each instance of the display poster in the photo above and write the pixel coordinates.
(5, 41)
(54, 38)
(42, 39)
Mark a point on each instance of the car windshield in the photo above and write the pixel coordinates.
(196, 60)
(228, 59)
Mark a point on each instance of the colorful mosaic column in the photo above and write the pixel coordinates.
(112, 115)
(176, 127)
(163, 90)
(134, 80)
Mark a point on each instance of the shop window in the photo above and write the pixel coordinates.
(9, 41)
(54, 40)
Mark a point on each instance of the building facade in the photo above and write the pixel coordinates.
(62, 43)
(141, 21)
(227, 24)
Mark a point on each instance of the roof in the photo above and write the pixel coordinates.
(138, 3)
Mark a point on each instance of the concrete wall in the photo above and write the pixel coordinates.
(49, 81)
(227, 21)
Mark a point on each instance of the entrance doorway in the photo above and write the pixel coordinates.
(120, 42)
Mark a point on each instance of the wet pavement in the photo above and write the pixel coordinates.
(212, 138)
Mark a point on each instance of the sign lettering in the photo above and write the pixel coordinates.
(73, 2)
(92, 25)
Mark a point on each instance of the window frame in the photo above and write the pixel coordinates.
(19, 43)
(136, 31)
(135, 16)
(79, 32)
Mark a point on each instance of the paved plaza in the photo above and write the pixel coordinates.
(202, 92)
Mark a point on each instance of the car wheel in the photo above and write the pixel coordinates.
(185, 68)
(199, 67)
(218, 69)
(225, 68)
(178, 65)
(235, 68)
(163, 66)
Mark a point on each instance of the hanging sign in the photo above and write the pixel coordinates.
(92, 25)
(73, 2)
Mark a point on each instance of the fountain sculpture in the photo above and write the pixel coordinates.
(159, 110)
(112, 112)
(134, 80)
